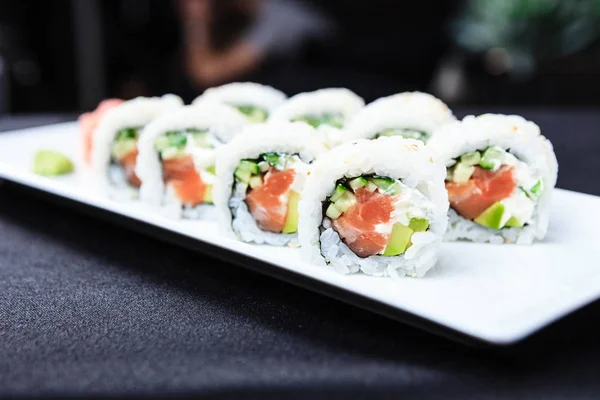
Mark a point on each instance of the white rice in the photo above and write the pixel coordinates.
(234, 218)
(222, 124)
(133, 113)
(519, 137)
(324, 101)
(411, 110)
(394, 157)
(244, 93)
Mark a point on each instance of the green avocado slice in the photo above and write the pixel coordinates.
(513, 223)
(291, 220)
(492, 217)
(208, 198)
(418, 224)
(399, 240)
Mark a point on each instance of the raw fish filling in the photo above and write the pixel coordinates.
(377, 215)
(187, 158)
(493, 188)
(334, 120)
(124, 153)
(272, 185)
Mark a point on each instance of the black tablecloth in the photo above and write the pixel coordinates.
(90, 308)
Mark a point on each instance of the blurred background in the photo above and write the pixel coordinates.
(67, 55)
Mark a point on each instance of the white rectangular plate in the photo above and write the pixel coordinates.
(497, 294)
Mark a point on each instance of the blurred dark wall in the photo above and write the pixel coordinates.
(36, 51)
(381, 47)
(141, 43)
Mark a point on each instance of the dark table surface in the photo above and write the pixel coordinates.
(91, 308)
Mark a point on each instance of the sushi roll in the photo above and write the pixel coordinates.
(176, 161)
(412, 115)
(254, 100)
(260, 175)
(376, 206)
(328, 110)
(500, 175)
(87, 125)
(114, 148)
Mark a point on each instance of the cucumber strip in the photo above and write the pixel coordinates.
(255, 181)
(273, 159)
(381, 182)
(120, 148)
(263, 166)
(254, 114)
(161, 143)
(529, 195)
(309, 119)
(201, 139)
(394, 189)
(339, 192)
(345, 202)
(127, 133)
(177, 138)
(412, 134)
(462, 172)
(337, 121)
(332, 211)
(245, 109)
(211, 170)
(245, 170)
(195, 130)
(171, 152)
(357, 183)
(250, 166)
(472, 158)
(405, 133)
(387, 185)
(535, 191)
(371, 187)
(492, 158)
(388, 133)
(242, 175)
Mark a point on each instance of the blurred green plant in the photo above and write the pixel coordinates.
(515, 34)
